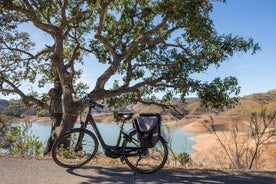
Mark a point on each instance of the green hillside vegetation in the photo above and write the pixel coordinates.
(252, 104)
(242, 111)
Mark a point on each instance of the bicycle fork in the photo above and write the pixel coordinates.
(79, 142)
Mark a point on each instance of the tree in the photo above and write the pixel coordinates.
(153, 46)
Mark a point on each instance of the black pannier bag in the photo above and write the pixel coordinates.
(148, 127)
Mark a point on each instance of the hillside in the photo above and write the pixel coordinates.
(16, 108)
(251, 104)
(242, 111)
(3, 104)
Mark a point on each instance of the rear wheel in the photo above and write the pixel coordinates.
(75, 148)
(144, 160)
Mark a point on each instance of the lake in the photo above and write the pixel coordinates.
(177, 138)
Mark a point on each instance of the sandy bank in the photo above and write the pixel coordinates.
(209, 151)
(32, 119)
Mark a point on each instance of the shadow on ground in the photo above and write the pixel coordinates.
(125, 175)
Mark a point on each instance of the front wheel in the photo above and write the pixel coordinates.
(144, 160)
(74, 148)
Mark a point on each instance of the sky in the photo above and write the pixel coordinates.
(246, 18)
(249, 18)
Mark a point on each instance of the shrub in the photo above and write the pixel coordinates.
(243, 149)
(19, 140)
(42, 113)
(183, 158)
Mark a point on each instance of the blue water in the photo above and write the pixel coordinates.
(177, 138)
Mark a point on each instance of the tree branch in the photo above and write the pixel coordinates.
(26, 99)
(142, 37)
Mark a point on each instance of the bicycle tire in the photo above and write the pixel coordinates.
(151, 159)
(65, 152)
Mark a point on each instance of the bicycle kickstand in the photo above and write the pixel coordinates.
(134, 172)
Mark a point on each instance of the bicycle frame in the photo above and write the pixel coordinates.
(113, 148)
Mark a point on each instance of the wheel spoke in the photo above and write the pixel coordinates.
(74, 148)
(145, 160)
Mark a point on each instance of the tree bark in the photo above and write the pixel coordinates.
(55, 112)
(64, 112)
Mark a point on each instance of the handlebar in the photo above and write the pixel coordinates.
(87, 100)
(98, 105)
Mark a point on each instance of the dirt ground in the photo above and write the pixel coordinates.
(209, 152)
(20, 170)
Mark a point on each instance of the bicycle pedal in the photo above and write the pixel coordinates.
(122, 159)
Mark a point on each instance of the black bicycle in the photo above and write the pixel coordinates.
(78, 146)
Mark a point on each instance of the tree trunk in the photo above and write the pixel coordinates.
(70, 107)
(55, 112)
(64, 112)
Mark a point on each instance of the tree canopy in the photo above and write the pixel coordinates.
(150, 46)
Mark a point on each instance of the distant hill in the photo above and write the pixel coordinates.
(247, 105)
(3, 104)
(251, 104)
(242, 111)
(15, 108)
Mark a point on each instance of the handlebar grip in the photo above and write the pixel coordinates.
(100, 105)
(87, 99)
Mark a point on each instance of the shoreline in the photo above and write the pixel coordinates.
(104, 117)
(31, 119)
(207, 150)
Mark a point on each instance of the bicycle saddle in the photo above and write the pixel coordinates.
(124, 115)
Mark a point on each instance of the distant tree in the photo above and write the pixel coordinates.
(147, 47)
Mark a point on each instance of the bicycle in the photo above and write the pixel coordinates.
(78, 146)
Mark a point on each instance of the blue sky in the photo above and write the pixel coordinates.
(249, 18)
(246, 18)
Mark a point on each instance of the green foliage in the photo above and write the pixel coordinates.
(149, 46)
(3, 130)
(19, 140)
(14, 108)
(218, 92)
(42, 113)
(80, 90)
(3, 119)
(121, 100)
(183, 158)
